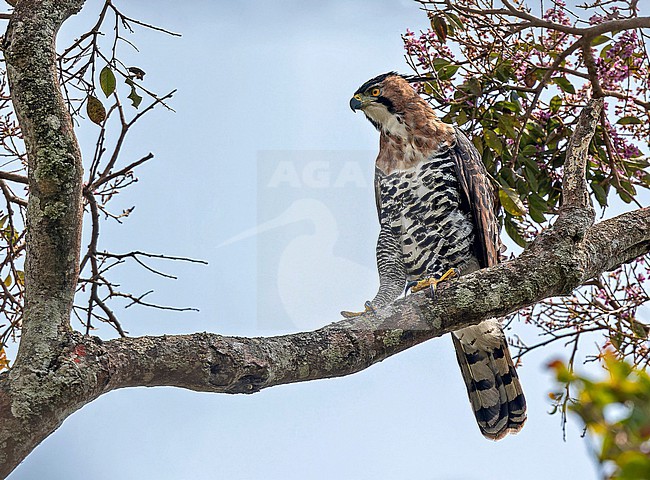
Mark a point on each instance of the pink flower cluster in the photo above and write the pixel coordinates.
(542, 115)
(425, 48)
(622, 145)
(596, 19)
(554, 40)
(619, 61)
(520, 62)
(557, 14)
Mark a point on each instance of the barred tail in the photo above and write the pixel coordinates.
(491, 379)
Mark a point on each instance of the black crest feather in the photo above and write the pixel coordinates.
(374, 81)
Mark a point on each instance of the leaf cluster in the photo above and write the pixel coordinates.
(616, 414)
(517, 81)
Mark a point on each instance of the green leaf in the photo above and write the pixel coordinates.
(628, 187)
(507, 106)
(439, 63)
(529, 151)
(474, 86)
(95, 110)
(531, 178)
(506, 125)
(555, 104)
(136, 99)
(599, 40)
(639, 329)
(538, 202)
(599, 193)
(564, 84)
(439, 25)
(493, 141)
(478, 143)
(461, 118)
(536, 215)
(455, 20)
(107, 81)
(511, 202)
(429, 88)
(503, 72)
(603, 52)
(636, 163)
(513, 232)
(447, 72)
(629, 121)
(624, 196)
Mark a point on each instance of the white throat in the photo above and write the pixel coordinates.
(389, 123)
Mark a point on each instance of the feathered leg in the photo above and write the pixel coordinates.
(392, 275)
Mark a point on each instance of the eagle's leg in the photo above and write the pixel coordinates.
(368, 309)
(432, 283)
(392, 274)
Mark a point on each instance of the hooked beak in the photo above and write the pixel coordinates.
(355, 103)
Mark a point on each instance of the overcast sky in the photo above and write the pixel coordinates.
(265, 172)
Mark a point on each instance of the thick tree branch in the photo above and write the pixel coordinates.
(87, 367)
(55, 206)
(530, 20)
(213, 363)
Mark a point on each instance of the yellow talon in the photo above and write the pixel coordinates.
(368, 309)
(433, 282)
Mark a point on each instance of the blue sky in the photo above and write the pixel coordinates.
(261, 83)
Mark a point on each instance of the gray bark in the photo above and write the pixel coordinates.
(54, 216)
(55, 207)
(58, 370)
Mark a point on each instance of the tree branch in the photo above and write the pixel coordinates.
(213, 363)
(574, 183)
(88, 367)
(55, 205)
(13, 177)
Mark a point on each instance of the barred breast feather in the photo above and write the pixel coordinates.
(421, 207)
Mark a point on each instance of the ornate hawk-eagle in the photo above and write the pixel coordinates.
(437, 218)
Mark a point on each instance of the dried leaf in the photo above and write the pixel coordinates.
(138, 73)
(4, 363)
(95, 109)
(439, 25)
(136, 99)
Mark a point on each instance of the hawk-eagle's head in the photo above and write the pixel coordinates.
(386, 100)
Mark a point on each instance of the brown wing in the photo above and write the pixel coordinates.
(378, 175)
(477, 197)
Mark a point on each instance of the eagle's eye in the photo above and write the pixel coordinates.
(375, 92)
